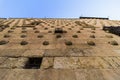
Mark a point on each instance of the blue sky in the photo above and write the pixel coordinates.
(60, 8)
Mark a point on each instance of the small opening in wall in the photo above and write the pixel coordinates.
(33, 63)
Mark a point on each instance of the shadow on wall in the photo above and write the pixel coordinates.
(112, 29)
